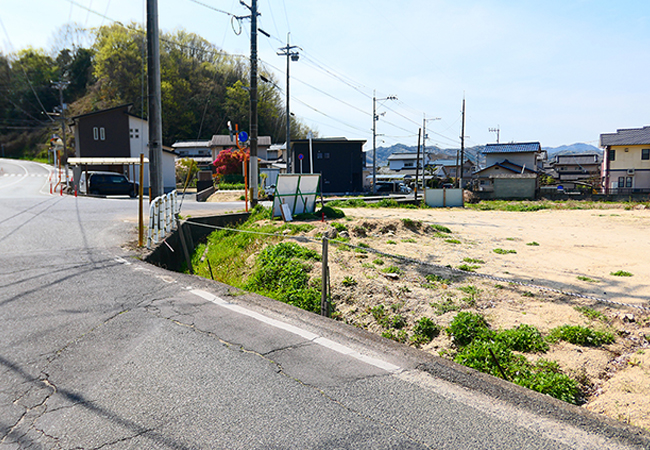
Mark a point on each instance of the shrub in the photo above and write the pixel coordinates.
(524, 338)
(330, 212)
(349, 281)
(467, 267)
(501, 251)
(579, 335)
(424, 331)
(452, 241)
(467, 326)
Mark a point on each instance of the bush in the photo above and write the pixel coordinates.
(424, 331)
(524, 338)
(466, 327)
(330, 213)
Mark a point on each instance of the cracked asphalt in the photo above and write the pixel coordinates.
(99, 350)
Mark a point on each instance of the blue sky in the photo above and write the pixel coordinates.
(557, 72)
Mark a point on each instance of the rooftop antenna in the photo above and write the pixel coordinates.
(495, 130)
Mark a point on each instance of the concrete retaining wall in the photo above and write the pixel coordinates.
(169, 253)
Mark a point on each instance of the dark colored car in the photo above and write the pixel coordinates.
(385, 187)
(108, 183)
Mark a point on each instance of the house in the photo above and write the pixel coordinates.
(579, 167)
(406, 161)
(340, 162)
(511, 171)
(626, 162)
(223, 142)
(450, 168)
(116, 133)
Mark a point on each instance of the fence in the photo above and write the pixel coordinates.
(162, 217)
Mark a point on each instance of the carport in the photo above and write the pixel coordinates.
(83, 164)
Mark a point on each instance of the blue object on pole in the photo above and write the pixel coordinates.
(301, 156)
(243, 136)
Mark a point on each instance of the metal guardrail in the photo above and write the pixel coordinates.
(163, 213)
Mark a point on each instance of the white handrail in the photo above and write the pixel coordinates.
(162, 217)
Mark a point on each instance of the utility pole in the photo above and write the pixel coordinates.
(462, 146)
(291, 55)
(154, 118)
(495, 130)
(61, 86)
(417, 167)
(375, 118)
(253, 152)
(424, 141)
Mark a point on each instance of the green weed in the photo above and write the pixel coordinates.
(501, 251)
(440, 228)
(452, 241)
(622, 273)
(533, 244)
(392, 269)
(591, 313)
(579, 335)
(348, 281)
(473, 261)
(587, 279)
(468, 268)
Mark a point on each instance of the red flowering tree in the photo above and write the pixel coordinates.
(229, 161)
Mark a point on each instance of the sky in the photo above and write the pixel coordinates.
(555, 71)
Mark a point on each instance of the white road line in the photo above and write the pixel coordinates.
(316, 339)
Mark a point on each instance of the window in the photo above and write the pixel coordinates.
(102, 134)
(327, 156)
(621, 182)
(611, 155)
(645, 154)
(628, 182)
(95, 133)
(319, 155)
(409, 164)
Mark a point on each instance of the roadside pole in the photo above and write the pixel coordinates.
(140, 204)
(324, 304)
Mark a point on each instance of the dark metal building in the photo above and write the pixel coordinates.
(339, 161)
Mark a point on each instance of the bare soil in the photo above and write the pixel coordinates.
(571, 250)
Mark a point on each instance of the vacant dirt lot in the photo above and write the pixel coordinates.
(573, 250)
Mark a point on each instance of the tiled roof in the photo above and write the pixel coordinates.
(523, 147)
(626, 136)
(223, 140)
(403, 156)
(510, 166)
(191, 144)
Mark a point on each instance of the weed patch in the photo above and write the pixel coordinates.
(579, 335)
(622, 273)
(500, 251)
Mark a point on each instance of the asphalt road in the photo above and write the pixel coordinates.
(101, 350)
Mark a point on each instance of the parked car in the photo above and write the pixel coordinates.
(107, 183)
(390, 186)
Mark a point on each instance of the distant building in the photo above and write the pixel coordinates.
(340, 162)
(626, 162)
(511, 171)
(576, 168)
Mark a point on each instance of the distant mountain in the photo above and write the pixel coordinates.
(450, 153)
(573, 149)
(436, 152)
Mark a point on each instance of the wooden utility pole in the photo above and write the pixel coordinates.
(154, 118)
(462, 146)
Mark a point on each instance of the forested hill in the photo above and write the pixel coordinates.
(202, 87)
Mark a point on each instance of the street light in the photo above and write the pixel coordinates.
(375, 118)
(291, 55)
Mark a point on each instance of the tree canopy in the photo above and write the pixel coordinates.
(202, 87)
